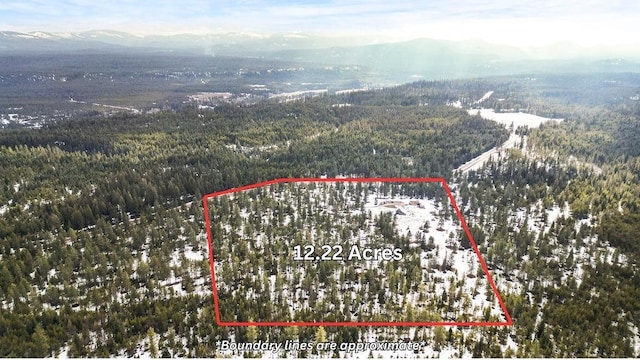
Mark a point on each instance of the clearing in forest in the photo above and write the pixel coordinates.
(346, 252)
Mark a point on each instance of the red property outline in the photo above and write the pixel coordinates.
(219, 321)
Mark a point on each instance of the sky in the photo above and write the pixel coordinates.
(510, 22)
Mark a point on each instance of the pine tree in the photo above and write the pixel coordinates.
(40, 343)
(153, 347)
(252, 333)
(320, 335)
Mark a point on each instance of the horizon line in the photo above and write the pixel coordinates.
(365, 39)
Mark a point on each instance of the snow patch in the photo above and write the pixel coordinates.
(516, 118)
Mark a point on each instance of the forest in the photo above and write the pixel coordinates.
(319, 249)
(97, 211)
(103, 251)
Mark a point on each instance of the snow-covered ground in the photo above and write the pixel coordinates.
(477, 162)
(574, 255)
(299, 94)
(447, 266)
(508, 118)
(349, 91)
(484, 97)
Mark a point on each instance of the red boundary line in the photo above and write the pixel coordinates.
(216, 306)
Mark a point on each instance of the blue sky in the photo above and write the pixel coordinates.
(531, 22)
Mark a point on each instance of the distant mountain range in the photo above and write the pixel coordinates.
(227, 43)
(399, 61)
